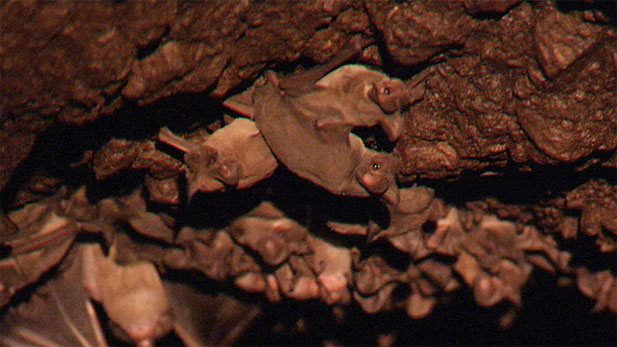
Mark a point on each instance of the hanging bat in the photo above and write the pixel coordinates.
(308, 125)
(235, 155)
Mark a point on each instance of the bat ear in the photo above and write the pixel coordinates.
(392, 126)
(241, 103)
(391, 196)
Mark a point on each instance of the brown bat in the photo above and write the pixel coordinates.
(359, 97)
(332, 265)
(235, 155)
(308, 125)
(268, 232)
(410, 213)
(331, 157)
(132, 295)
(352, 95)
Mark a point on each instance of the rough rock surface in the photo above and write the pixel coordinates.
(522, 87)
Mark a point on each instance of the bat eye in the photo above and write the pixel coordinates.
(376, 167)
(386, 91)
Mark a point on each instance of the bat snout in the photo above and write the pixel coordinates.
(387, 94)
(374, 182)
(377, 175)
(228, 172)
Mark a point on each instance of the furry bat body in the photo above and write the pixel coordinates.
(235, 155)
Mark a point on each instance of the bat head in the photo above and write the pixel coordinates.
(377, 173)
(142, 317)
(226, 170)
(207, 171)
(389, 94)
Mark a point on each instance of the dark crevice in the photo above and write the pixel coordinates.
(152, 46)
(607, 7)
(513, 186)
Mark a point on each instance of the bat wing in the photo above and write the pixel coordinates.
(207, 320)
(241, 103)
(322, 156)
(58, 313)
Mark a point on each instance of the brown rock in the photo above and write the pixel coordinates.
(415, 32)
(560, 39)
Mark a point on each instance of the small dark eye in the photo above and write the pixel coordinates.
(376, 167)
(386, 91)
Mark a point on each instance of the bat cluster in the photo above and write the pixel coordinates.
(262, 251)
(45, 237)
(304, 122)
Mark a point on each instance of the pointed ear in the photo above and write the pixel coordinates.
(376, 234)
(241, 103)
(392, 126)
(391, 196)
